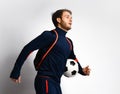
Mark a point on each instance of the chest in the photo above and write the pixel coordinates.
(63, 46)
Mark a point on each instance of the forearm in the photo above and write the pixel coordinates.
(19, 62)
(80, 69)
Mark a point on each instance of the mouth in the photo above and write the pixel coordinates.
(70, 23)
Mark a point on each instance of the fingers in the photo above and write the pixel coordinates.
(16, 80)
(86, 70)
(19, 80)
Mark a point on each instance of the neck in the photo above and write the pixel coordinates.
(63, 28)
(61, 31)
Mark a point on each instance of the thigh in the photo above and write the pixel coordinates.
(40, 86)
(46, 86)
(53, 87)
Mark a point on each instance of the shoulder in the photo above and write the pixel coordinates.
(48, 35)
(69, 40)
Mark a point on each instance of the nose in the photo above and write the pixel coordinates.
(71, 19)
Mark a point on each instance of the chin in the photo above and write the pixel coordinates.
(68, 28)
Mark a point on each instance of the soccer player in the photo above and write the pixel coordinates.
(47, 80)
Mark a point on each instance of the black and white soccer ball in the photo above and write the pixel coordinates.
(71, 68)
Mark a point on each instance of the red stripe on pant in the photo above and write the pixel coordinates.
(46, 86)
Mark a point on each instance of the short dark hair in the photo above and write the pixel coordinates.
(58, 14)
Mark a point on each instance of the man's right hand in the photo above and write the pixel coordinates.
(16, 80)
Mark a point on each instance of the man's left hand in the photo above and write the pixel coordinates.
(86, 70)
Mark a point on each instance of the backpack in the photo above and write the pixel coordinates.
(40, 56)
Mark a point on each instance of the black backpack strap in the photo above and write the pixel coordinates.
(49, 49)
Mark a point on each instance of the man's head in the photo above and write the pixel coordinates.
(63, 19)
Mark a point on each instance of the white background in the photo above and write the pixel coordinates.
(95, 33)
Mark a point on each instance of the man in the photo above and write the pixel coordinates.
(48, 76)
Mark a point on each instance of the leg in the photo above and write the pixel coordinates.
(53, 87)
(46, 86)
(40, 86)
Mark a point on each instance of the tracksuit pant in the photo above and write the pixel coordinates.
(46, 85)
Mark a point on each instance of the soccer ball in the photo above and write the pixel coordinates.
(71, 68)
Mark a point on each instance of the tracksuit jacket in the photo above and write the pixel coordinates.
(55, 62)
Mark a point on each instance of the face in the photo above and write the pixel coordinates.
(65, 21)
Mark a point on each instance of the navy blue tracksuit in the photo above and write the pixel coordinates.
(49, 74)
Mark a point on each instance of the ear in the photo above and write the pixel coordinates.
(58, 20)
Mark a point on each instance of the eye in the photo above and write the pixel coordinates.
(67, 17)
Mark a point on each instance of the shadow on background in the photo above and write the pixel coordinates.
(7, 86)
(12, 42)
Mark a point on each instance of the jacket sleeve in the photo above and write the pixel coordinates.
(73, 56)
(39, 42)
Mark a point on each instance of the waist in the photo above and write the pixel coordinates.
(48, 76)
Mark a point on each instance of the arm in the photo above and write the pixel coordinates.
(39, 42)
(83, 71)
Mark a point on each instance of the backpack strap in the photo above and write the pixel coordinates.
(49, 49)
